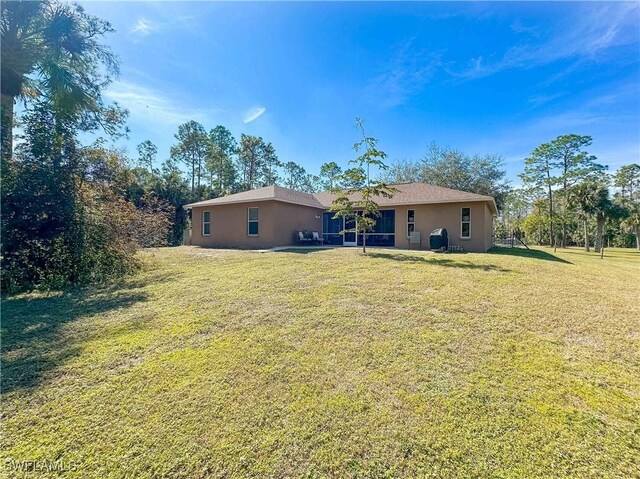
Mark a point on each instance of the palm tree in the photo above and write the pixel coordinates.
(586, 198)
(632, 221)
(604, 209)
(51, 50)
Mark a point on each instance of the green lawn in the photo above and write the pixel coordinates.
(329, 363)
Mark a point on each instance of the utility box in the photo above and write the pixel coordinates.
(414, 238)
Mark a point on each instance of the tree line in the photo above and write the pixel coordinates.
(217, 164)
(76, 213)
(452, 168)
(567, 199)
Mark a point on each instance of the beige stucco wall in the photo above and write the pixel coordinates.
(291, 218)
(446, 215)
(488, 227)
(278, 222)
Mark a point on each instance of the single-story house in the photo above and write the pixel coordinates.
(270, 216)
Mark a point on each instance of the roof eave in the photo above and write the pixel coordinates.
(435, 202)
(254, 200)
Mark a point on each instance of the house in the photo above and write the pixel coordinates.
(271, 216)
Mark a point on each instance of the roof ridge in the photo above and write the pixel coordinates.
(414, 192)
(412, 183)
(291, 189)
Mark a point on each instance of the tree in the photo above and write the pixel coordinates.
(222, 173)
(588, 198)
(358, 203)
(604, 208)
(296, 177)
(574, 165)
(250, 159)
(352, 178)
(52, 50)
(627, 178)
(632, 220)
(174, 189)
(222, 138)
(533, 226)
(66, 217)
(147, 153)
(451, 168)
(270, 164)
(329, 175)
(614, 214)
(192, 148)
(538, 175)
(403, 171)
(515, 208)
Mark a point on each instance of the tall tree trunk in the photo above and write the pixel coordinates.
(7, 127)
(586, 234)
(552, 241)
(199, 170)
(565, 167)
(193, 176)
(636, 229)
(540, 235)
(364, 240)
(599, 232)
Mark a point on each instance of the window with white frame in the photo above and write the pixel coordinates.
(465, 224)
(253, 221)
(411, 222)
(206, 223)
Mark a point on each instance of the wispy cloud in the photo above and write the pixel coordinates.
(598, 29)
(518, 27)
(543, 98)
(595, 118)
(153, 107)
(403, 76)
(143, 27)
(253, 114)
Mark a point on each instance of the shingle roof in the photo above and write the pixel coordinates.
(415, 193)
(407, 194)
(273, 192)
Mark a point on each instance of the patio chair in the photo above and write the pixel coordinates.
(303, 239)
(316, 238)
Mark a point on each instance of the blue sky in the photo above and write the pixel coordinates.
(495, 78)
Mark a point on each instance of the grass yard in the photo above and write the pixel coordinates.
(329, 363)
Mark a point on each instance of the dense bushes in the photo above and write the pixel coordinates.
(71, 213)
(66, 216)
(88, 234)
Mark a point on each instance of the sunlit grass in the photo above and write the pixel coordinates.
(329, 363)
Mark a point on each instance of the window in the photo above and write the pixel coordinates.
(411, 222)
(206, 223)
(465, 225)
(252, 217)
